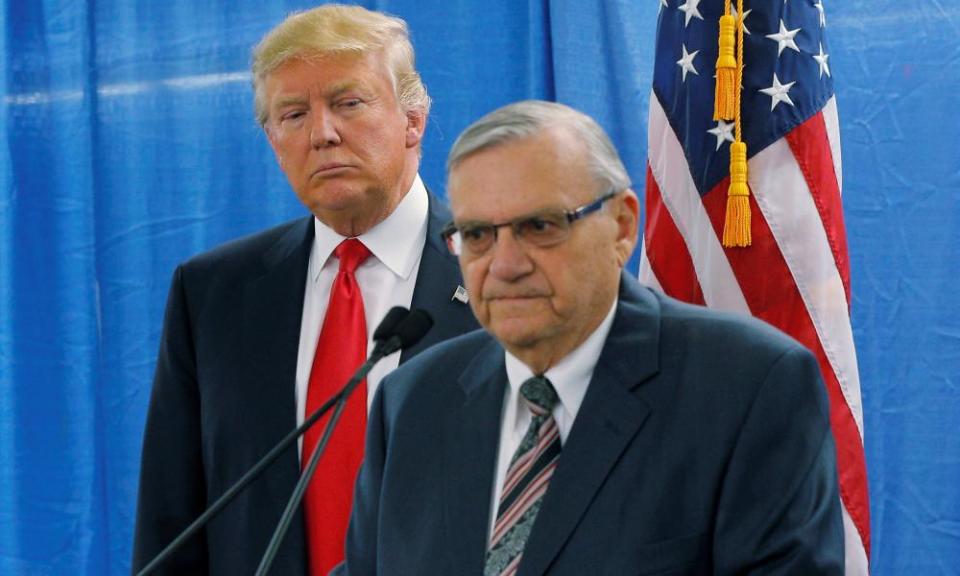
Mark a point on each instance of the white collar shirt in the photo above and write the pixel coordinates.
(387, 279)
(570, 378)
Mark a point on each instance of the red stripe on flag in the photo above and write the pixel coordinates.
(811, 147)
(772, 295)
(666, 249)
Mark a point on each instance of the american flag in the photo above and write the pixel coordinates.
(796, 273)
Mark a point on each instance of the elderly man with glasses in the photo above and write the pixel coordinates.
(594, 426)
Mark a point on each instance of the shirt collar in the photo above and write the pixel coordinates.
(396, 242)
(571, 376)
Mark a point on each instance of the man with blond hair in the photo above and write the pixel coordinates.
(261, 331)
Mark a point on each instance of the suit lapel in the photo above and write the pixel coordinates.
(609, 419)
(273, 307)
(469, 457)
(437, 280)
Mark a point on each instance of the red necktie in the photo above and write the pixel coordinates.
(341, 349)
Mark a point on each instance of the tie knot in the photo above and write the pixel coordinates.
(351, 253)
(539, 394)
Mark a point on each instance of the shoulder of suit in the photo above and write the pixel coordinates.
(243, 251)
(737, 333)
(448, 357)
(438, 207)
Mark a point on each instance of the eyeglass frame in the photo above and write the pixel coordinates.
(451, 229)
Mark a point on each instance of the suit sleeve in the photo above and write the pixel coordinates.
(172, 488)
(779, 509)
(361, 555)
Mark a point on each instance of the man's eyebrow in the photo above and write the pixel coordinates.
(289, 99)
(340, 88)
(545, 211)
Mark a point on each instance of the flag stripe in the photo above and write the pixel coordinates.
(788, 208)
(831, 119)
(666, 162)
(856, 552)
(666, 252)
(811, 149)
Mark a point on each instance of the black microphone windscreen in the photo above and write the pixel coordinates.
(391, 321)
(414, 327)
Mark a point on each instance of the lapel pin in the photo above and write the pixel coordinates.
(461, 295)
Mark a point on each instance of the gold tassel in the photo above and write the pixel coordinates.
(724, 103)
(736, 227)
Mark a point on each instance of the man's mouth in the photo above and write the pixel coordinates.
(330, 168)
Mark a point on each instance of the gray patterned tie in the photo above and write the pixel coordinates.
(527, 479)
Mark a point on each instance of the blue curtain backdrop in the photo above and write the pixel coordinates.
(129, 145)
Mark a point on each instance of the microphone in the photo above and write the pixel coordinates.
(388, 326)
(408, 331)
(387, 340)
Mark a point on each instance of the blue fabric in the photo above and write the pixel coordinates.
(129, 145)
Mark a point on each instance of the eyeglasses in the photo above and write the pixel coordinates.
(540, 230)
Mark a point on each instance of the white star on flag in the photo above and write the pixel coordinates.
(690, 8)
(779, 92)
(784, 38)
(821, 59)
(723, 132)
(823, 18)
(663, 4)
(733, 12)
(686, 63)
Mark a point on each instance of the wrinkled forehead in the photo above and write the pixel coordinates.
(325, 75)
(521, 177)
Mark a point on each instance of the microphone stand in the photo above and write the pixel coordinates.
(388, 347)
(242, 483)
(407, 332)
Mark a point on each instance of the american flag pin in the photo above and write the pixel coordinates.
(461, 295)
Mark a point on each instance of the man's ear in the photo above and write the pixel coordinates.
(416, 124)
(628, 222)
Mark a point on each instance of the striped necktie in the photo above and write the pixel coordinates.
(527, 479)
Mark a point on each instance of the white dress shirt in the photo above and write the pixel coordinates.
(386, 279)
(570, 378)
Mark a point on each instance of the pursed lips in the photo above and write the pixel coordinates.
(507, 298)
(329, 167)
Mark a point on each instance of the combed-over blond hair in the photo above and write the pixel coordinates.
(337, 29)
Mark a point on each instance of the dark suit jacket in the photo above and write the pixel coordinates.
(224, 394)
(702, 447)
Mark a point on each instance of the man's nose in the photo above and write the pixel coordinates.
(509, 261)
(324, 130)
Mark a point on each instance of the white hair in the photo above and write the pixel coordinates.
(531, 117)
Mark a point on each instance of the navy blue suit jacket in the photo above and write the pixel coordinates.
(224, 394)
(702, 447)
